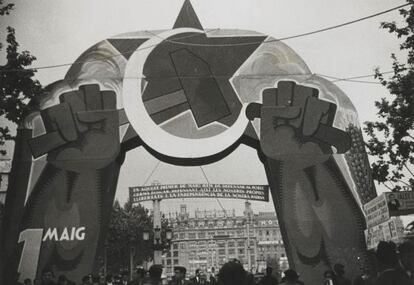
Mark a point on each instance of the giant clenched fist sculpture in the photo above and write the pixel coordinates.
(82, 131)
(321, 222)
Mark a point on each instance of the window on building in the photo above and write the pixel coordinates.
(222, 251)
(191, 235)
(175, 236)
(221, 233)
(201, 234)
(231, 244)
(232, 251)
(182, 235)
(183, 245)
(240, 243)
(168, 261)
(241, 251)
(175, 253)
(175, 245)
(267, 232)
(175, 261)
(260, 233)
(221, 244)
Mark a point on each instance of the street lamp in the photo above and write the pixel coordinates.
(146, 235)
(158, 246)
(168, 234)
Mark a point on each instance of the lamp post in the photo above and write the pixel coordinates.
(158, 246)
(131, 256)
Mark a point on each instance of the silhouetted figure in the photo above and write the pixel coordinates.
(138, 278)
(391, 272)
(27, 281)
(213, 279)
(63, 280)
(109, 279)
(291, 278)
(154, 278)
(179, 276)
(232, 273)
(340, 279)
(268, 279)
(406, 254)
(87, 280)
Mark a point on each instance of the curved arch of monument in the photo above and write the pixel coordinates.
(190, 96)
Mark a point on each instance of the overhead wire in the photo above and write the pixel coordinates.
(218, 201)
(235, 44)
(152, 172)
(294, 36)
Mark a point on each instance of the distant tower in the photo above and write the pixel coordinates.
(183, 212)
(248, 212)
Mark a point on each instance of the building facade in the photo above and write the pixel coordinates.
(5, 166)
(208, 239)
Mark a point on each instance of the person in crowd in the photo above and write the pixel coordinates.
(125, 278)
(328, 277)
(391, 272)
(95, 280)
(109, 279)
(232, 273)
(154, 278)
(196, 279)
(291, 278)
(406, 254)
(250, 279)
(47, 277)
(340, 279)
(27, 281)
(139, 276)
(87, 280)
(268, 279)
(179, 276)
(364, 279)
(63, 280)
(212, 279)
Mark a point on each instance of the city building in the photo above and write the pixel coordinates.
(210, 238)
(5, 166)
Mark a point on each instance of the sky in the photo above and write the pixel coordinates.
(58, 31)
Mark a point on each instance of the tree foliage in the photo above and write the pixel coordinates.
(126, 228)
(17, 84)
(391, 138)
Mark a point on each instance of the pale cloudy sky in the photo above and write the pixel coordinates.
(58, 31)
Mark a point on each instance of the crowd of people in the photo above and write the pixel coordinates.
(395, 264)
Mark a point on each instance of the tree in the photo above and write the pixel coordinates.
(391, 138)
(126, 228)
(18, 87)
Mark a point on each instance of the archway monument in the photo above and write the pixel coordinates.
(190, 96)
